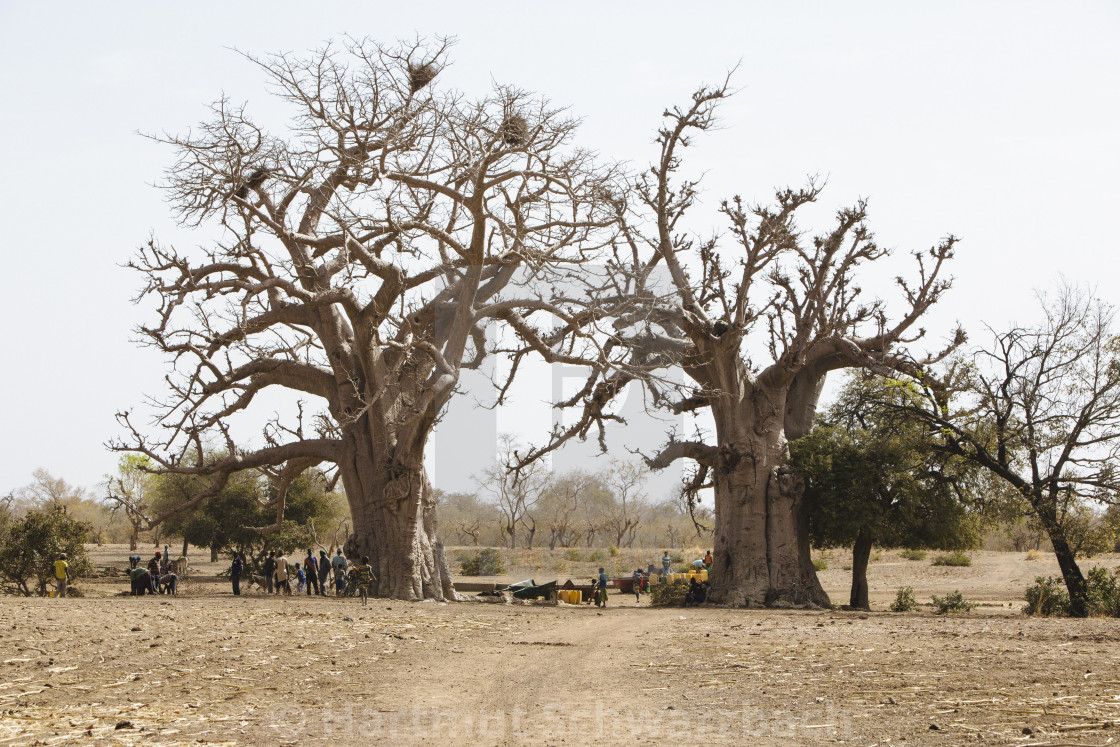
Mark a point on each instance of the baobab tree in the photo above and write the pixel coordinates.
(361, 254)
(756, 324)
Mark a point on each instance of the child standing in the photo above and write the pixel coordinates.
(365, 578)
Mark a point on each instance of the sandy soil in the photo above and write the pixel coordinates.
(207, 667)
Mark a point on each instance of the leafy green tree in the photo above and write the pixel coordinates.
(872, 479)
(242, 517)
(31, 544)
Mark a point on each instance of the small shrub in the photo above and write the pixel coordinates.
(486, 562)
(1104, 592)
(952, 603)
(913, 554)
(904, 600)
(1047, 597)
(612, 551)
(820, 564)
(596, 556)
(573, 555)
(1034, 555)
(669, 594)
(676, 557)
(958, 559)
(846, 567)
(875, 557)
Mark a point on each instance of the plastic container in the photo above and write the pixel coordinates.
(575, 596)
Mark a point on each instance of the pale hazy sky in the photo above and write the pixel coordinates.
(998, 122)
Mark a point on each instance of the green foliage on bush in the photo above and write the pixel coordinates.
(573, 555)
(913, 554)
(958, 559)
(669, 594)
(612, 551)
(676, 557)
(31, 544)
(486, 562)
(595, 556)
(820, 564)
(1104, 592)
(904, 600)
(952, 603)
(1050, 598)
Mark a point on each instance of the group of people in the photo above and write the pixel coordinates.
(697, 590)
(312, 575)
(157, 577)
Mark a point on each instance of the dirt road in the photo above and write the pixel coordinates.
(258, 670)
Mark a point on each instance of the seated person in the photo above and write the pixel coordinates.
(697, 593)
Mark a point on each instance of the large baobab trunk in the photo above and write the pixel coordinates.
(761, 538)
(395, 525)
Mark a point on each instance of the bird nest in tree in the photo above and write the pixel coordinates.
(514, 131)
(421, 75)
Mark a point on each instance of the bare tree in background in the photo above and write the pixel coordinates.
(361, 255)
(757, 323)
(626, 481)
(1040, 408)
(516, 494)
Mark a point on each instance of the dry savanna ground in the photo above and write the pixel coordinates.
(209, 668)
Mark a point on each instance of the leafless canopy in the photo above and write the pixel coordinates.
(764, 289)
(358, 256)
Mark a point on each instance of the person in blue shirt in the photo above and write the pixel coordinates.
(340, 566)
(601, 592)
(311, 572)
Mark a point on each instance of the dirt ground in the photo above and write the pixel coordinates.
(210, 668)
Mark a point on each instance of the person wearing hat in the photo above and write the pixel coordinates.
(61, 574)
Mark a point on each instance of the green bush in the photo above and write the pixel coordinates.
(669, 594)
(820, 564)
(676, 557)
(31, 544)
(1104, 592)
(913, 554)
(486, 562)
(596, 556)
(573, 555)
(904, 600)
(958, 558)
(612, 551)
(951, 603)
(1048, 597)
